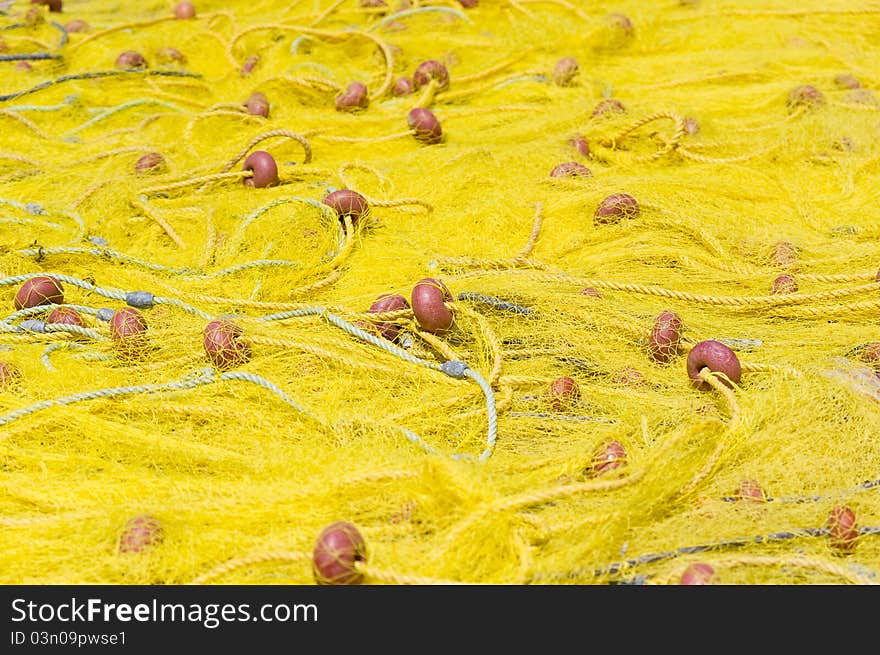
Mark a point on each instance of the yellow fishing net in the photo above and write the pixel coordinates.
(747, 134)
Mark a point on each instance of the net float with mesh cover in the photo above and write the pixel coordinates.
(428, 299)
(338, 549)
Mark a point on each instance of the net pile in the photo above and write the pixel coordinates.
(538, 440)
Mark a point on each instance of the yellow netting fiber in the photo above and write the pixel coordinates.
(220, 374)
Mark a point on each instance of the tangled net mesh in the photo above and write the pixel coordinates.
(451, 473)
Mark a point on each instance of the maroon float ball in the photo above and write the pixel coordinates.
(354, 98)
(169, 55)
(257, 104)
(346, 202)
(846, 81)
(565, 71)
(184, 10)
(425, 125)
(607, 107)
(843, 532)
(468, 4)
(590, 291)
(54, 5)
(805, 95)
(39, 290)
(580, 144)
(691, 126)
(630, 376)
(34, 16)
(23, 66)
(338, 549)
(431, 70)
(250, 64)
(427, 300)
(223, 344)
(783, 253)
(562, 393)
(616, 207)
(388, 302)
(9, 373)
(372, 3)
(843, 144)
(783, 284)
(152, 162)
(715, 356)
(395, 50)
(665, 337)
(750, 491)
(871, 355)
(76, 25)
(570, 169)
(698, 573)
(264, 167)
(862, 97)
(127, 324)
(65, 316)
(140, 533)
(608, 457)
(131, 59)
(403, 86)
(622, 23)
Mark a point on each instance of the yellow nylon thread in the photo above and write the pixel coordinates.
(229, 468)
